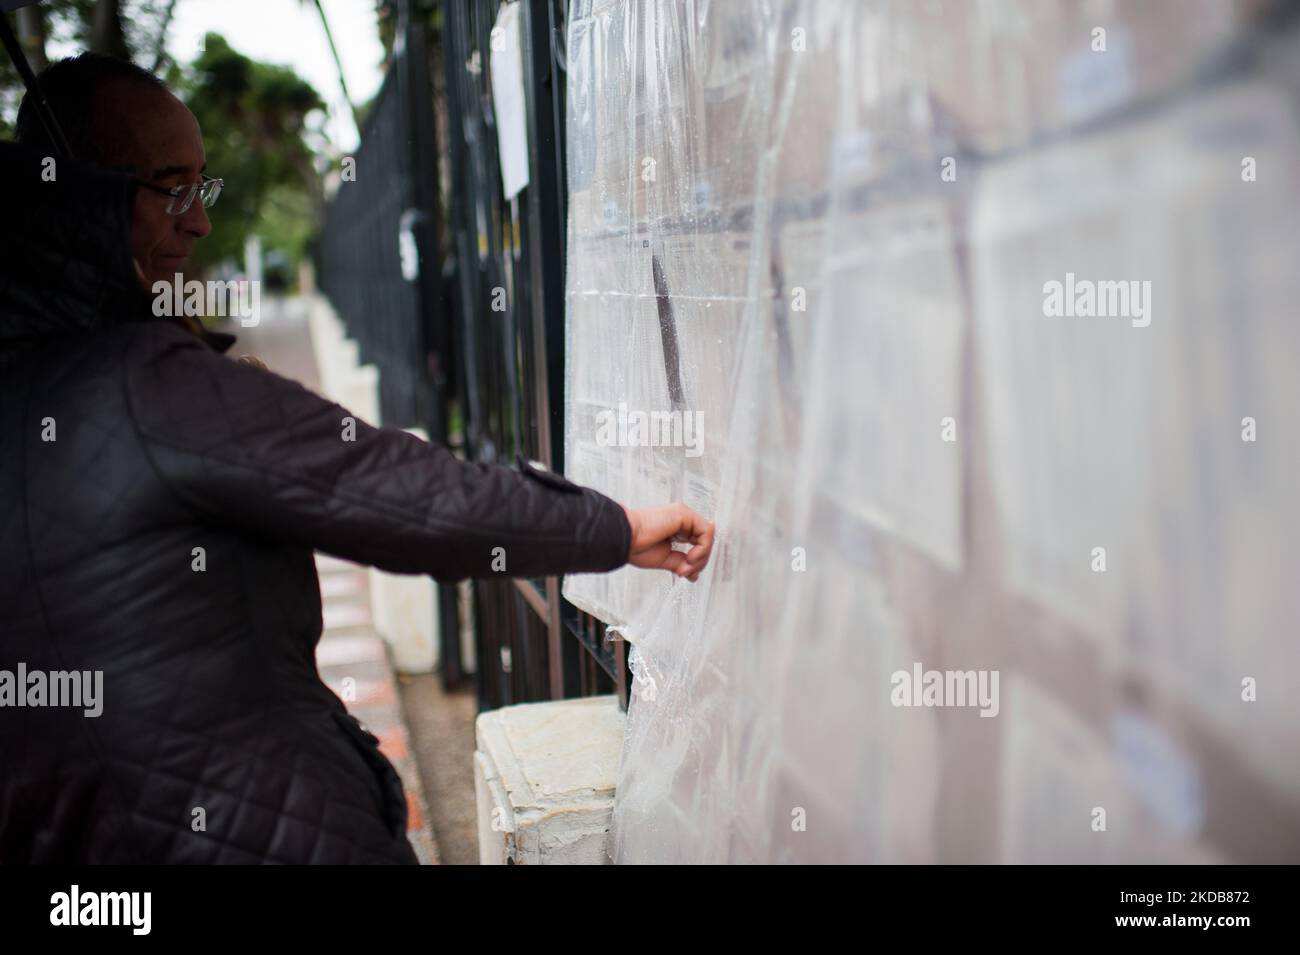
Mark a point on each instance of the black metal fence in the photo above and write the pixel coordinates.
(378, 262)
(510, 253)
(444, 351)
(377, 259)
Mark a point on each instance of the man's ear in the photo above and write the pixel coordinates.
(139, 274)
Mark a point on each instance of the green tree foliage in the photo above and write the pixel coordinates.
(254, 118)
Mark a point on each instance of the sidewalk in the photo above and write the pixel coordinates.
(353, 660)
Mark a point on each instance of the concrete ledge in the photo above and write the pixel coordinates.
(544, 778)
(406, 615)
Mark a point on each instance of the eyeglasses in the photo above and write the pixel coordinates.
(182, 197)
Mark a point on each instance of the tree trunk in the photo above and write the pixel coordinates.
(106, 34)
(31, 34)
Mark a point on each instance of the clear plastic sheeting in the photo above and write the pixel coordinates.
(972, 325)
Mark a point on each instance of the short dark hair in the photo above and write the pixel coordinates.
(70, 87)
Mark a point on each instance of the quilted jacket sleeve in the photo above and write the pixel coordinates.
(243, 446)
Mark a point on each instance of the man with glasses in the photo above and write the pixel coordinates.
(122, 117)
(162, 504)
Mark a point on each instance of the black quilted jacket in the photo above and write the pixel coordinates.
(210, 697)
